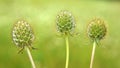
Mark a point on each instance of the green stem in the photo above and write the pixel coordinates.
(67, 51)
(92, 56)
(30, 57)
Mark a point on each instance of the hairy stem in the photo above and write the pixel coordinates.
(92, 56)
(67, 51)
(30, 57)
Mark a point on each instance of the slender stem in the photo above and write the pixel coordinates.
(92, 56)
(67, 51)
(30, 57)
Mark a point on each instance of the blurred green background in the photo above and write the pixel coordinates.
(41, 14)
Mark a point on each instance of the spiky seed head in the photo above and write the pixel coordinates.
(22, 34)
(96, 29)
(65, 22)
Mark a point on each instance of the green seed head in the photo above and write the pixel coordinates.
(65, 22)
(22, 34)
(96, 29)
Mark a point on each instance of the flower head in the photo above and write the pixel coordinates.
(22, 34)
(65, 22)
(96, 29)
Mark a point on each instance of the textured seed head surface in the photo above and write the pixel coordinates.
(22, 34)
(65, 22)
(96, 29)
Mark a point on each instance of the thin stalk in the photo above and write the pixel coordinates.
(30, 57)
(92, 56)
(67, 51)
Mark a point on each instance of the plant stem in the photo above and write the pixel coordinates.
(92, 56)
(67, 51)
(30, 57)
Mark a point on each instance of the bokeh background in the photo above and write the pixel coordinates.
(41, 14)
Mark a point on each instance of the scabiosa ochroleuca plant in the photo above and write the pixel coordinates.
(96, 31)
(65, 25)
(23, 37)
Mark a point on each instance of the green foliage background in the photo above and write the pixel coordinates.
(41, 14)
